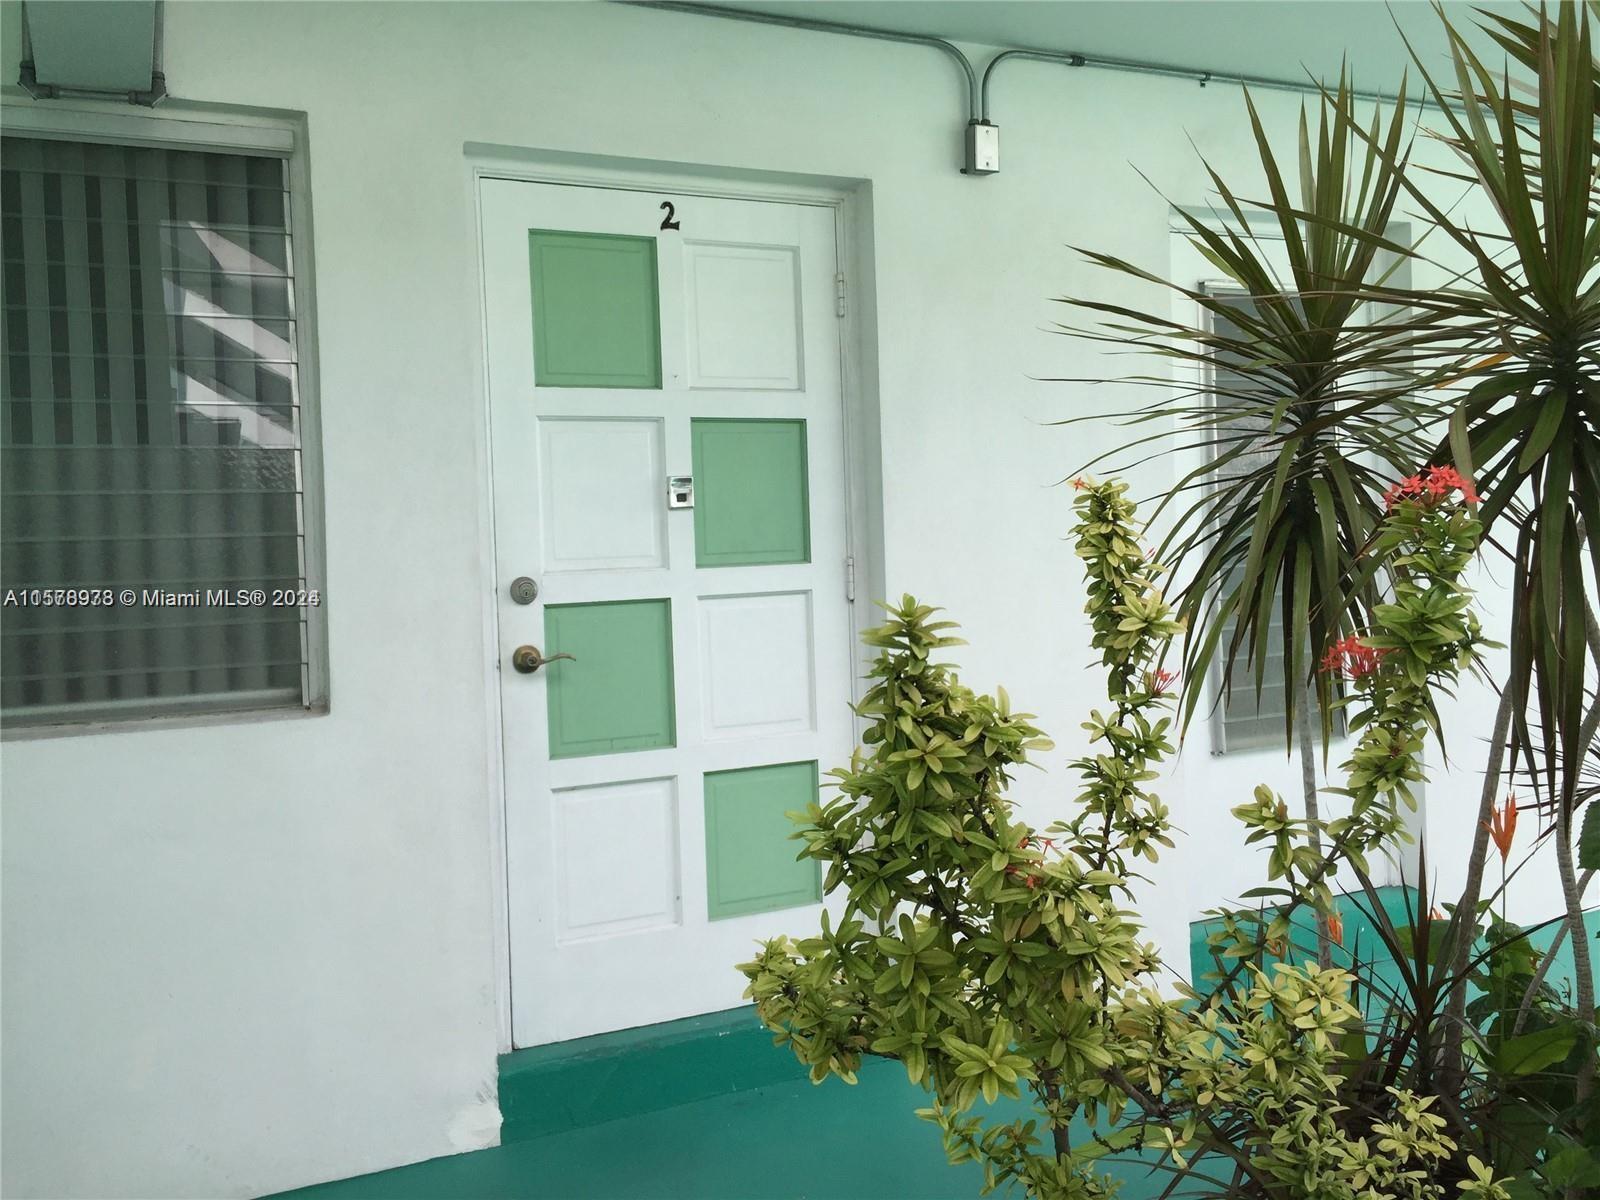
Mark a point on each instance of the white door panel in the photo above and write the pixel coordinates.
(645, 781)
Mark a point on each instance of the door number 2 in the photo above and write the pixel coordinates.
(669, 221)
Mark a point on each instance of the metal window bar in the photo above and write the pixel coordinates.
(149, 430)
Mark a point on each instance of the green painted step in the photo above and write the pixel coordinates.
(703, 1109)
(783, 1141)
(614, 1076)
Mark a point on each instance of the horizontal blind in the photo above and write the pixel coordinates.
(1246, 719)
(151, 508)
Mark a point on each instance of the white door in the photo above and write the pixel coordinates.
(667, 439)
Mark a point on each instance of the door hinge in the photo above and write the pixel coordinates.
(838, 293)
(850, 579)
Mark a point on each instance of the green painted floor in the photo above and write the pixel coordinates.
(709, 1109)
(706, 1109)
(788, 1140)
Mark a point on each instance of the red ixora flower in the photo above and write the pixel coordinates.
(1080, 483)
(1431, 487)
(1353, 657)
(1158, 682)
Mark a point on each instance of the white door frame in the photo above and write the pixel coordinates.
(863, 500)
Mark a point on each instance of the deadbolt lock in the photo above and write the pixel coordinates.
(524, 590)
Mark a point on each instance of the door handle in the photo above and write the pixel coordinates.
(527, 659)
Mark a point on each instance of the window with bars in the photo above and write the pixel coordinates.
(1246, 719)
(152, 509)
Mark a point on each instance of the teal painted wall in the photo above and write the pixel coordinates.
(1360, 939)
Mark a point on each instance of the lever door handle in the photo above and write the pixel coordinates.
(528, 659)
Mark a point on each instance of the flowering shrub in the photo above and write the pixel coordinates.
(1432, 486)
(1352, 658)
(991, 960)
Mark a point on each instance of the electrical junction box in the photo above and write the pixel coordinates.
(983, 148)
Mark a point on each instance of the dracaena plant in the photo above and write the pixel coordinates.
(1311, 417)
(1524, 316)
(993, 961)
(1496, 370)
(1306, 411)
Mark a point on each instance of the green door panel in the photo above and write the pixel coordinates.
(596, 314)
(752, 502)
(618, 694)
(750, 859)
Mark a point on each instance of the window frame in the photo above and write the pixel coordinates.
(226, 129)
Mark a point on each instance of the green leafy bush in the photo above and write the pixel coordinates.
(993, 960)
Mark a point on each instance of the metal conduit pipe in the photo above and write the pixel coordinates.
(982, 151)
(1168, 71)
(886, 35)
(1071, 60)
